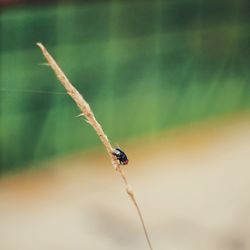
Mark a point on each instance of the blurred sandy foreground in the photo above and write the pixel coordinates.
(193, 185)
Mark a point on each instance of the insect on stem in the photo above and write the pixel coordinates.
(117, 156)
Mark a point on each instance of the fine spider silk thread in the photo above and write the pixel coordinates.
(31, 91)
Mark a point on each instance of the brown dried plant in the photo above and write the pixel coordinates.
(90, 118)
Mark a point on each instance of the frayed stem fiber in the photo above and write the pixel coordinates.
(89, 115)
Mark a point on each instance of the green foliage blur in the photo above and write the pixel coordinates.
(144, 66)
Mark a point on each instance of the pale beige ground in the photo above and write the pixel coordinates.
(193, 185)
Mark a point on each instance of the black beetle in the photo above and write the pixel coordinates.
(121, 156)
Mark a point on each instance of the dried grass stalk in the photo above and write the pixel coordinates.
(87, 112)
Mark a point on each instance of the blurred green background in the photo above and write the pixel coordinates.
(144, 66)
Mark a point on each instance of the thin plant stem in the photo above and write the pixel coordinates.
(90, 118)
